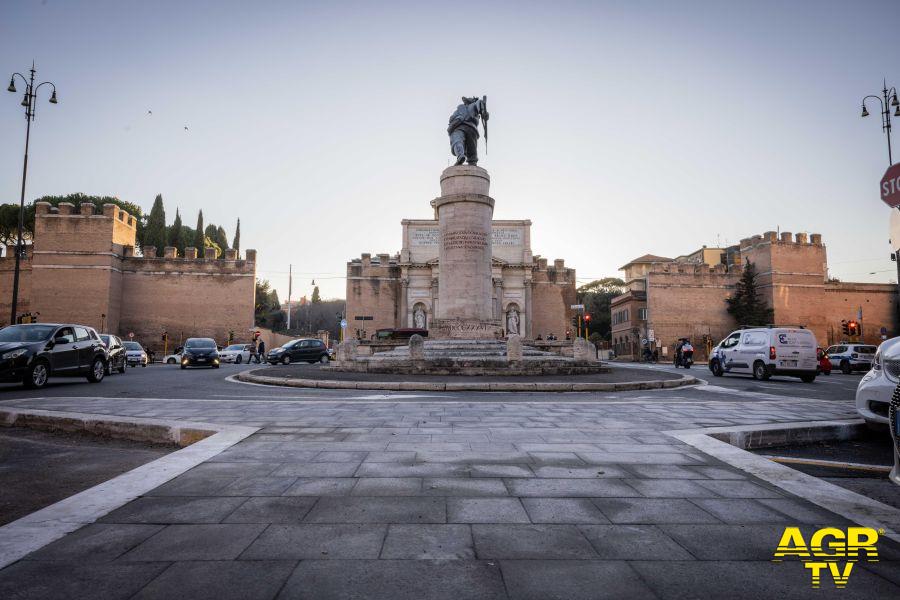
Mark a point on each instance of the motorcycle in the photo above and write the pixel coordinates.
(685, 359)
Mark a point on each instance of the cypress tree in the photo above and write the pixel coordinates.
(316, 298)
(236, 244)
(176, 234)
(156, 226)
(199, 242)
(746, 305)
(221, 238)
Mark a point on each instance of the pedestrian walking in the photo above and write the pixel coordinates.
(261, 352)
(253, 354)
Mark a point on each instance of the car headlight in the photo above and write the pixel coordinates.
(15, 353)
(876, 364)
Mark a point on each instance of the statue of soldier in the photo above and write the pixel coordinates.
(463, 129)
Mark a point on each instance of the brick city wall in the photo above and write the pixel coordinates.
(686, 300)
(7, 274)
(552, 295)
(84, 270)
(373, 290)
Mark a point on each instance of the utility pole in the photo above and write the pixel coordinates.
(290, 269)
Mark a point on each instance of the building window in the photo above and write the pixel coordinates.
(642, 314)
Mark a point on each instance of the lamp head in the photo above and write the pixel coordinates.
(865, 113)
(894, 101)
(53, 97)
(12, 84)
(25, 100)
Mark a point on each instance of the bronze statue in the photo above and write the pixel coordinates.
(463, 129)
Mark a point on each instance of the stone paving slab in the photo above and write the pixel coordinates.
(448, 500)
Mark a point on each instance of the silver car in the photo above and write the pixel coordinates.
(895, 434)
(135, 354)
(873, 395)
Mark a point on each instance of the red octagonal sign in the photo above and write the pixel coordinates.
(890, 186)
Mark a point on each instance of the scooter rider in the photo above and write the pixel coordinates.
(687, 353)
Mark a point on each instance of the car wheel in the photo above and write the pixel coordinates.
(239, 359)
(845, 367)
(37, 375)
(285, 360)
(171, 361)
(98, 371)
(760, 371)
(716, 368)
(323, 359)
(808, 378)
(122, 368)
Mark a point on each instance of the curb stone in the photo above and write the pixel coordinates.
(429, 386)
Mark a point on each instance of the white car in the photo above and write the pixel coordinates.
(766, 351)
(851, 357)
(895, 436)
(174, 358)
(235, 353)
(135, 354)
(873, 394)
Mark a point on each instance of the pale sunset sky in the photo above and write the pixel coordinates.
(618, 128)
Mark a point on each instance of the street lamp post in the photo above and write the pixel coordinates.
(28, 101)
(887, 99)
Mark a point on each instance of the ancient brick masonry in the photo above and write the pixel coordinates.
(685, 296)
(82, 268)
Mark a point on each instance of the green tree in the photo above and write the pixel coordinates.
(221, 238)
(236, 244)
(746, 305)
(596, 297)
(155, 234)
(268, 311)
(316, 298)
(176, 234)
(198, 234)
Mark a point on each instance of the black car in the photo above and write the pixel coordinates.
(200, 352)
(306, 350)
(34, 352)
(115, 351)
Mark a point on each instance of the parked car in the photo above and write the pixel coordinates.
(115, 352)
(895, 434)
(303, 350)
(873, 394)
(135, 354)
(851, 357)
(32, 353)
(235, 353)
(766, 351)
(200, 352)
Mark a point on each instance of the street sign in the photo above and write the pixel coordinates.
(884, 331)
(577, 307)
(890, 186)
(651, 335)
(343, 323)
(644, 342)
(131, 335)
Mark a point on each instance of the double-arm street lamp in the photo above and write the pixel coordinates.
(28, 101)
(887, 99)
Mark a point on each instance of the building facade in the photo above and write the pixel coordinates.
(667, 299)
(82, 268)
(401, 291)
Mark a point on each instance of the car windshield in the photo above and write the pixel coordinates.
(132, 346)
(200, 343)
(235, 347)
(105, 340)
(26, 333)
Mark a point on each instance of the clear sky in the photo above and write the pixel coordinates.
(619, 128)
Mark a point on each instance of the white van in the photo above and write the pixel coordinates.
(766, 351)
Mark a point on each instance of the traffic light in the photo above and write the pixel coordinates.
(845, 327)
(587, 319)
(853, 328)
(231, 337)
(165, 336)
(574, 321)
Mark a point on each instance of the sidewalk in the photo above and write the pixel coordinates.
(449, 500)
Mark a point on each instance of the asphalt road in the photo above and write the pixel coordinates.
(169, 381)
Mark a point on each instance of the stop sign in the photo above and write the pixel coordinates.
(890, 186)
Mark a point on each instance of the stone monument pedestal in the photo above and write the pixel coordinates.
(465, 212)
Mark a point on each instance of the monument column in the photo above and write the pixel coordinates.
(527, 328)
(404, 302)
(465, 289)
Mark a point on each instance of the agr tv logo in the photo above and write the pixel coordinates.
(827, 549)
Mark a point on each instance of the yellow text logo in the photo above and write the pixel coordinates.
(830, 550)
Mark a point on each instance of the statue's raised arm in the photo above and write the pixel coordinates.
(463, 129)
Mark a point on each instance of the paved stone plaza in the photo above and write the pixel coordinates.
(416, 496)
